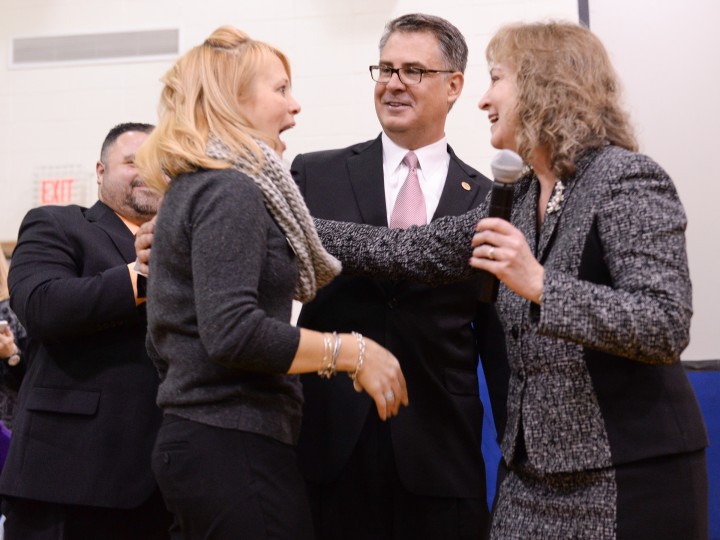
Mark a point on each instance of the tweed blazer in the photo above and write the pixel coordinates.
(595, 372)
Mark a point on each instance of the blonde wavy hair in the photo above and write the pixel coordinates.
(202, 95)
(568, 94)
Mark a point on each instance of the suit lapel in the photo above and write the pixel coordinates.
(365, 169)
(552, 219)
(104, 218)
(462, 188)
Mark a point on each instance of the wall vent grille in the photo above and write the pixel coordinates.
(95, 48)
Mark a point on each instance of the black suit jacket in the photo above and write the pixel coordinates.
(86, 417)
(437, 439)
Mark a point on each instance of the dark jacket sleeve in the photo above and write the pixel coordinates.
(53, 292)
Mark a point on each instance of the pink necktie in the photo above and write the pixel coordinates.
(409, 206)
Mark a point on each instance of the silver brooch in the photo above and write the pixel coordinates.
(553, 204)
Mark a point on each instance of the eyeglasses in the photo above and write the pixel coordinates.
(407, 75)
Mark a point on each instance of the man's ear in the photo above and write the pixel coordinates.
(455, 83)
(99, 171)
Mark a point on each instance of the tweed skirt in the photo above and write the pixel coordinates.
(663, 498)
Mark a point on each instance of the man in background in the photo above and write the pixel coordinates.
(420, 475)
(79, 461)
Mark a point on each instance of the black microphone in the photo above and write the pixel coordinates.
(506, 167)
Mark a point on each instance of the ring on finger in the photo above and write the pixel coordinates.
(389, 396)
(491, 253)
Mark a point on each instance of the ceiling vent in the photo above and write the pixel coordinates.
(95, 48)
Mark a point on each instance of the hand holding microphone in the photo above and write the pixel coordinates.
(506, 167)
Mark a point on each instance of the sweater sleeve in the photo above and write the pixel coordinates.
(229, 234)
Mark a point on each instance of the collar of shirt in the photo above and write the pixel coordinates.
(433, 165)
(133, 228)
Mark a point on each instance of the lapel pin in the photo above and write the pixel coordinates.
(465, 186)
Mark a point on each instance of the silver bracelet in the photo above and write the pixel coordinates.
(330, 369)
(326, 349)
(361, 355)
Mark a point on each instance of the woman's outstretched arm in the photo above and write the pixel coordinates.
(435, 254)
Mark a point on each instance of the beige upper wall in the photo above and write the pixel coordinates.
(52, 120)
(666, 54)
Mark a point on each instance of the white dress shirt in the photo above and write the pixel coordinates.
(433, 164)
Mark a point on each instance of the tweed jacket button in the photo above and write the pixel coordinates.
(515, 331)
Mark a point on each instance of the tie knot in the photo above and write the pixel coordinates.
(410, 160)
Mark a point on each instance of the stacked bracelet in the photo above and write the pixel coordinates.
(329, 369)
(361, 356)
(326, 350)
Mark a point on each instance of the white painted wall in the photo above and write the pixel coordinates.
(666, 53)
(53, 120)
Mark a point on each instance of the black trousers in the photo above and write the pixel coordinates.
(224, 484)
(369, 502)
(38, 520)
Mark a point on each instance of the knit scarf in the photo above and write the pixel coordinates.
(316, 267)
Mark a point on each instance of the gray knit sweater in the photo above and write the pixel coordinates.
(219, 303)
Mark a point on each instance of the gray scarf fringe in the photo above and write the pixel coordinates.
(316, 267)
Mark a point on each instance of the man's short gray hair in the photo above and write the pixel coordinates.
(453, 48)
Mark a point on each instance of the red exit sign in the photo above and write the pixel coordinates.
(64, 184)
(56, 190)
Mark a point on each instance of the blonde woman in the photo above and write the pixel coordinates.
(233, 245)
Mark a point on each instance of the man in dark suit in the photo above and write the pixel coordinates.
(421, 475)
(79, 460)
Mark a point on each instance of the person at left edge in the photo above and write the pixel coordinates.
(13, 341)
(79, 461)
